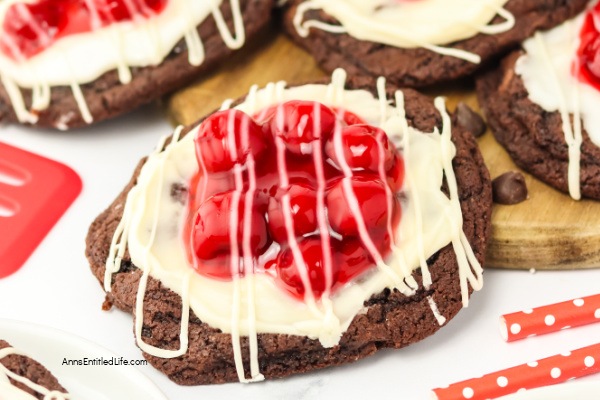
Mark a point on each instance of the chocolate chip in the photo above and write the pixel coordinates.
(179, 193)
(470, 120)
(509, 188)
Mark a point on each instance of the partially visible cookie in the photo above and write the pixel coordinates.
(14, 362)
(291, 330)
(421, 42)
(111, 65)
(541, 104)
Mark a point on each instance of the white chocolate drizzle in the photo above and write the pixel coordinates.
(436, 312)
(573, 135)
(9, 391)
(470, 269)
(351, 199)
(245, 268)
(150, 214)
(413, 196)
(427, 23)
(141, 42)
(139, 305)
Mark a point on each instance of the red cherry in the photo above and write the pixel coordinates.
(349, 256)
(353, 259)
(300, 123)
(35, 26)
(348, 117)
(589, 48)
(361, 147)
(395, 174)
(211, 233)
(214, 137)
(591, 55)
(312, 253)
(371, 197)
(351, 119)
(303, 202)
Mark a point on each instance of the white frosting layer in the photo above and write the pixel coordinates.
(82, 58)
(429, 222)
(541, 79)
(410, 24)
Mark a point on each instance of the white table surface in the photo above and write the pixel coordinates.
(56, 288)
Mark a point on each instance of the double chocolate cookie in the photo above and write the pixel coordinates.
(397, 313)
(423, 51)
(25, 367)
(117, 60)
(541, 105)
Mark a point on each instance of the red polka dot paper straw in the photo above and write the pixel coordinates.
(550, 318)
(546, 372)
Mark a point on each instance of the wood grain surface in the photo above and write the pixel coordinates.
(547, 231)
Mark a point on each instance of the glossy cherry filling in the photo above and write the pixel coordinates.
(29, 28)
(587, 67)
(299, 191)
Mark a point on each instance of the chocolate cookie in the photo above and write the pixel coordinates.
(389, 319)
(418, 66)
(30, 369)
(533, 137)
(108, 95)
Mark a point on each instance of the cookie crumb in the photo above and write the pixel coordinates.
(107, 304)
(509, 188)
(470, 120)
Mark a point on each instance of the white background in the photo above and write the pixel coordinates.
(56, 288)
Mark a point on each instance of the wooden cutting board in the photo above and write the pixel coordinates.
(548, 231)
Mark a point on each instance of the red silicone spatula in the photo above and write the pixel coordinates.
(34, 194)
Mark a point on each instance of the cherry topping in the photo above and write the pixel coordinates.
(226, 138)
(31, 27)
(212, 229)
(303, 210)
(395, 173)
(371, 197)
(352, 254)
(589, 49)
(300, 123)
(312, 253)
(361, 147)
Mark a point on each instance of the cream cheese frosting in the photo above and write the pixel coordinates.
(81, 58)
(546, 70)
(408, 24)
(151, 229)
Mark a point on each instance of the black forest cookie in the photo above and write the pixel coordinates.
(24, 378)
(542, 105)
(418, 42)
(65, 64)
(298, 228)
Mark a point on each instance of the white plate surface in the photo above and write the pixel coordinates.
(99, 382)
